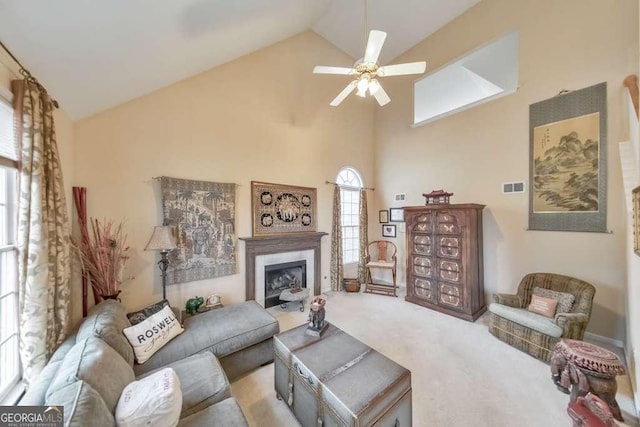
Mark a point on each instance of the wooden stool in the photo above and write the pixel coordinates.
(587, 368)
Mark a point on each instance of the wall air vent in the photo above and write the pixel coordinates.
(400, 197)
(513, 187)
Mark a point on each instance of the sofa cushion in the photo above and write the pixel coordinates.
(227, 413)
(141, 315)
(526, 318)
(35, 394)
(107, 321)
(222, 331)
(203, 382)
(81, 404)
(95, 362)
(155, 400)
(565, 300)
(153, 333)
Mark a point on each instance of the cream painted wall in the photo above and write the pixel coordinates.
(633, 303)
(563, 45)
(262, 117)
(64, 134)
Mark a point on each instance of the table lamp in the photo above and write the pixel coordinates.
(162, 240)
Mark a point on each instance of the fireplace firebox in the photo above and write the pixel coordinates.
(278, 277)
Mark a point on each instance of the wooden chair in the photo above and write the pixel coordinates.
(381, 254)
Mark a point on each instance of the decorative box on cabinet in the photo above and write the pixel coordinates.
(444, 258)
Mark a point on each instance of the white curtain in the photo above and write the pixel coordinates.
(43, 231)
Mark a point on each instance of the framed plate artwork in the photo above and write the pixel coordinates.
(280, 209)
(383, 216)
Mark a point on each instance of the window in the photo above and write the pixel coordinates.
(10, 371)
(350, 184)
(478, 77)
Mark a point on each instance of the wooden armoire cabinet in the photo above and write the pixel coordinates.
(444, 258)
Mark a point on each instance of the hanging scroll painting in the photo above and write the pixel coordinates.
(567, 178)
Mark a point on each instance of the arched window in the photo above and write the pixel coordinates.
(350, 184)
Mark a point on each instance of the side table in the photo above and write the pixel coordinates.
(201, 309)
(288, 296)
(585, 368)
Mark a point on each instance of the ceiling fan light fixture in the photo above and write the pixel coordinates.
(374, 86)
(363, 85)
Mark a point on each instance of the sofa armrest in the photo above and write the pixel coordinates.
(573, 324)
(509, 300)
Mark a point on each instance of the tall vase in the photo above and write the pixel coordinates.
(113, 296)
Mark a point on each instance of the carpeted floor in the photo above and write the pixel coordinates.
(461, 374)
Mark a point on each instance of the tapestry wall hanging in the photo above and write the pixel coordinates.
(568, 161)
(279, 209)
(203, 216)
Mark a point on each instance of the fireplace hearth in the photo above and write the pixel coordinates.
(278, 277)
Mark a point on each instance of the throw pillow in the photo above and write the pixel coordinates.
(140, 315)
(155, 400)
(565, 300)
(152, 334)
(543, 306)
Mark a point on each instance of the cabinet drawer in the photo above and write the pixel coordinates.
(422, 244)
(420, 270)
(450, 301)
(423, 288)
(422, 283)
(449, 247)
(426, 294)
(450, 289)
(423, 261)
(449, 270)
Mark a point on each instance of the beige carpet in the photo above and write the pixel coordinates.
(461, 374)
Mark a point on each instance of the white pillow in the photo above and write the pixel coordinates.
(155, 400)
(152, 334)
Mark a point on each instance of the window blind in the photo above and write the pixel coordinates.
(8, 146)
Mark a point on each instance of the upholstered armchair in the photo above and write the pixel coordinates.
(511, 322)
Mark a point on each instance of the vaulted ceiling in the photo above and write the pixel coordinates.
(93, 55)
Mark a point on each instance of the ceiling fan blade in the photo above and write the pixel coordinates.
(321, 69)
(381, 96)
(402, 69)
(342, 95)
(374, 46)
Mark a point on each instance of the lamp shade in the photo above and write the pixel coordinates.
(161, 239)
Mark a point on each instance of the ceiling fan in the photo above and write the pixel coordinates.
(367, 69)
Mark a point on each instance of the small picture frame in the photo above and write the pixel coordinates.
(396, 214)
(635, 196)
(388, 230)
(383, 216)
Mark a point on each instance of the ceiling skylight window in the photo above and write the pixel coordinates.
(478, 77)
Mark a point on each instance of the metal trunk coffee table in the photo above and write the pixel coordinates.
(336, 380)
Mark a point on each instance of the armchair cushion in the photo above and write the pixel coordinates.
(565, 300)
(528, 319)
(381, 264)
(543, 306)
